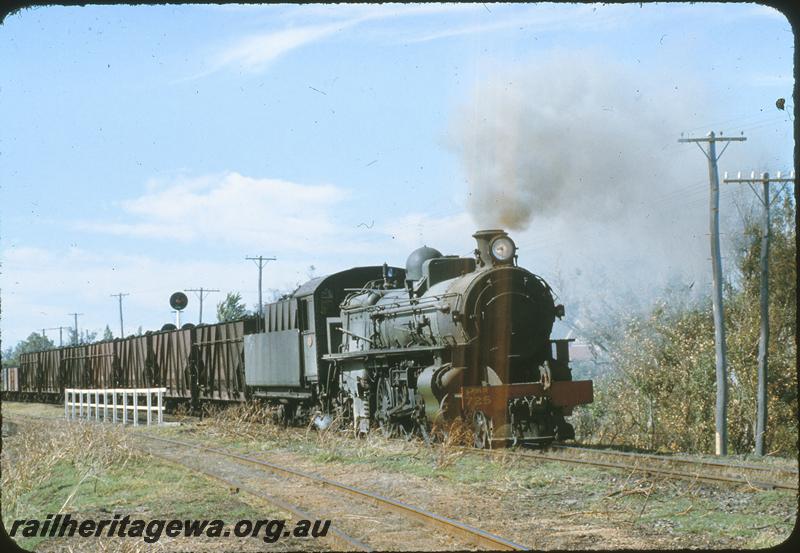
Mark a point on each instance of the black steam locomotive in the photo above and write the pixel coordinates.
(404, 350)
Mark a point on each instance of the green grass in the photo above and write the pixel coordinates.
(145, 488)
(91, 471)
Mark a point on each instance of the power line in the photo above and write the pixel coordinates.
(763, 340)
(60, 335)
(716, 273)
(201, 293)
(120, 295)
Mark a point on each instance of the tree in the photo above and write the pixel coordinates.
(781, 429)
(660, 390)
(107, 334)
(231, 308)
(86, 337)
(34, 342)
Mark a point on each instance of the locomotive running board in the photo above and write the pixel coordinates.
(382, 352)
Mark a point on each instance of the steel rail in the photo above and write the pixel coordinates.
(349, 543)
(460, 529)
(645, 469)
(621, 466)
(669, 459)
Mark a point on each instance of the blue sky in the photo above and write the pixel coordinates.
(150, 149)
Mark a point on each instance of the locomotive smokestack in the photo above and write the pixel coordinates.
(494, 247)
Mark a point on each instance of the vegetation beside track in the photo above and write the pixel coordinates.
(94, 471)
(653, 364)
(565, 506)
(671, 513)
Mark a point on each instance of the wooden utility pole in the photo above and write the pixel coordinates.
(60, 334)
(121, 328)
(77, 337)
(260, 261)
(763, 339)
(201, 293)
(721, 441)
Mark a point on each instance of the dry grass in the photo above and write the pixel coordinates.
(91, 449)
(450, 437)
(106, 545)
(250, 421)
(257, 422)
(182, 413)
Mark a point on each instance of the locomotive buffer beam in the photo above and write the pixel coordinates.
(492, 402)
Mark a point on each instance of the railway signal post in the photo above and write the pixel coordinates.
(178, 301)
(763, 339)
(721, 441)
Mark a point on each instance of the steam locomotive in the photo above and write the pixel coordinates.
(400, 350)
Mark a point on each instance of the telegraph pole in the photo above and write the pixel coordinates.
(120, 296)
(202, 293)
(260, 261)
(60, 335)
(76, 315)
(763, 339)
(721, 442)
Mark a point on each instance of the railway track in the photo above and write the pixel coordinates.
(465, 533)
(757, 476)
(344, 540)
(389, 521)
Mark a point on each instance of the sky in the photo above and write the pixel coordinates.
(150, 149)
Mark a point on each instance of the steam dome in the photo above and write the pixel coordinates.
(417, 258)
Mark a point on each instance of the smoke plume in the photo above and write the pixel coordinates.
(573, 135)
(579, 157)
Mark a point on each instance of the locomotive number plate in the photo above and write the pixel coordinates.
(476, 397)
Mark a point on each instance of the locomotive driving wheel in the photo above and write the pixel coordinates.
(481, 430)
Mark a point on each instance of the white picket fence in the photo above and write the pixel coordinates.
(116, 401)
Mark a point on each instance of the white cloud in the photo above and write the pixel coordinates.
(231, 209)
(255, 52)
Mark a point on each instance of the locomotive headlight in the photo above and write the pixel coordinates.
(503, 249)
